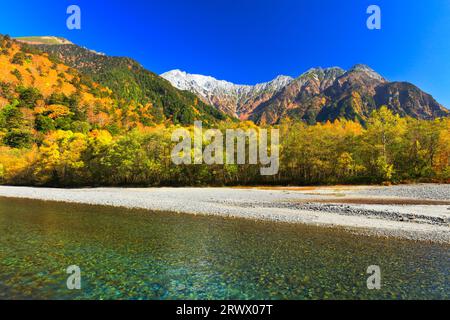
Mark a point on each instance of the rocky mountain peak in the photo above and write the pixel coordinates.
(228, 97)
(366, 70)
(319, 94)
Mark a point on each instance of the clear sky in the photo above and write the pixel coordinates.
(250, 41)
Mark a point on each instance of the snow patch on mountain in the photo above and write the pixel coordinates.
(199, 83)
(277, 96)
(227, 96)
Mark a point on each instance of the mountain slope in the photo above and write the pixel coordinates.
(300, 99)
(233, 99)
(44, 40)
(129, 81)
(39, 94)
(407, 99)
(317, 95)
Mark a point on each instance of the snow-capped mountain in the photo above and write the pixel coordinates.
(236, 100)
(317, 95)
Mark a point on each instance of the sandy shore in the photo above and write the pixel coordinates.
(417, 212)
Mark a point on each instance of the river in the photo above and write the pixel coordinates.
(138, 254)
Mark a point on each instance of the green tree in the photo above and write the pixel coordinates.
(28, 97)
(18, 138)
(11, 117)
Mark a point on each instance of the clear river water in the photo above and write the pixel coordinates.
(138, 254)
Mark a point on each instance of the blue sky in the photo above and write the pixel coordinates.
(250, 41)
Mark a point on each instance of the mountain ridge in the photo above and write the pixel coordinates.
(131, 82)
(44, 40)
(223, 94)
(317, 95)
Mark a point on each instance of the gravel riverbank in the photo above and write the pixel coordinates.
(363, 209)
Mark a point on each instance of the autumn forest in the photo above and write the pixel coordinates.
(62, 127)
